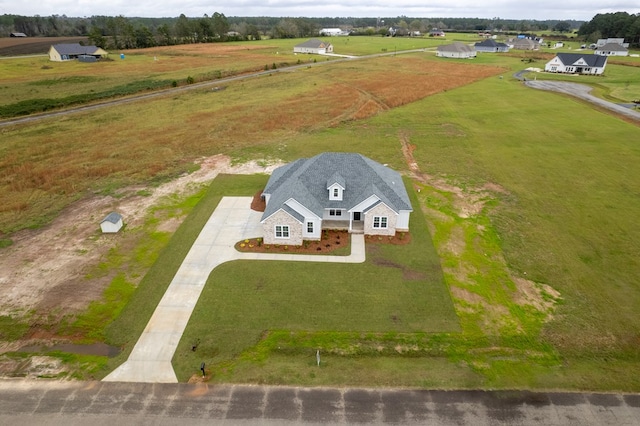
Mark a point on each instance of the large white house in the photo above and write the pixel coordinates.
(333, 191)
(611, 49)
(577, 63)
(456, 50)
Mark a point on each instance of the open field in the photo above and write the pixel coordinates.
(531, 207)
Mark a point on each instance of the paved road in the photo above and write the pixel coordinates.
(232, 221)
(583, 91)
(100, 403)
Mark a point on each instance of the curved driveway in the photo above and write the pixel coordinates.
(232, 221)
(582, 91)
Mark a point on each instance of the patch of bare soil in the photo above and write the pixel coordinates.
(45, 271)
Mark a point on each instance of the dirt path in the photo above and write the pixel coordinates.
(45, 270)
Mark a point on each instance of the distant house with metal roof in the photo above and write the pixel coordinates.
(112, 223)
(611, 49)
(17, 35)
(602, 41)
(577, 63)
(313, 45)
(490, 45)
(71, 51)
(456, 50)
(333, 32)
(333, 191)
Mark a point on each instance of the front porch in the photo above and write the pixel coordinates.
(357, 227)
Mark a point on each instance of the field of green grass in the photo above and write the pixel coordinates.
(530, 199)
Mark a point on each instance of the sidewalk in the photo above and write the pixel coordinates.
(232, 221)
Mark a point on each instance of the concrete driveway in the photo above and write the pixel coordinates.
(232, 221)
(582, 91)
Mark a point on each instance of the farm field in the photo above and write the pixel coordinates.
(530, 207)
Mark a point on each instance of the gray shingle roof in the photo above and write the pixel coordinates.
(490, 43)
(305, 181)
(74, 49)
(591, 60)
(455, 47)
(313, 43)
(112, 217)
(612, 47)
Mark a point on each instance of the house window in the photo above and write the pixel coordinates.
(336, 192)
(335, 212)
(282, 231)
(380, 222)
(310, 227)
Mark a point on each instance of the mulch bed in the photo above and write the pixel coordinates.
(332, 240)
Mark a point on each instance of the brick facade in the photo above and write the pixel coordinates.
(282, 218)
(380, 210)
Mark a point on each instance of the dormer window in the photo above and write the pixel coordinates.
(336, 186)
(335, 192)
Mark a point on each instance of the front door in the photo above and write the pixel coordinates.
(356, 216)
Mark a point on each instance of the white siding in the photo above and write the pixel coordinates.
(403, 221)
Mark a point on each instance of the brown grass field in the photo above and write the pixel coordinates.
(46, 166)
(10, 46)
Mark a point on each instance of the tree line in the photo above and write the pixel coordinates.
(119, 32)
(616, 25)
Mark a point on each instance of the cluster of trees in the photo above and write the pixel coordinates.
(618, 25)
(120, 32)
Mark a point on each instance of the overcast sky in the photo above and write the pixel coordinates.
(582, 10)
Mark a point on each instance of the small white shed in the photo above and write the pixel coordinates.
(111, 223)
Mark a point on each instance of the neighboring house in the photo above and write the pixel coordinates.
(612, 49)
(333, 32)
(17, 35)
(436, 33)
(577, 63)
(111, 223)
(602, 41)
(456, 50)
(71, 51)
(490, 45)
(524, 44)
(313, 45)
(333, 191)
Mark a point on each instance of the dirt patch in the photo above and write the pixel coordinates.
(541, 296)
(46, 270)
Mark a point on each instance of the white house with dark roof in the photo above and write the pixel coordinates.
(456, 50)
(71, 51)
(333, 191)
(577, 63)
(611, 49)
(313, 45)
(490, 45)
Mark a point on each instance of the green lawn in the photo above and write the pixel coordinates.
(531, 204)
(399, 290)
